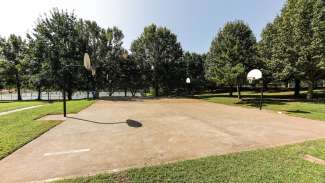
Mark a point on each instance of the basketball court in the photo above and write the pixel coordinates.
(115, 135)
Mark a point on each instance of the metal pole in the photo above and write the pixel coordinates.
(261, 100)
(64, 104)
(188, 89)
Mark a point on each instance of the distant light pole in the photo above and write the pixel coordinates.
(155, 83)
(188, 82)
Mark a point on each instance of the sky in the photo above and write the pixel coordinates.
(195, 22)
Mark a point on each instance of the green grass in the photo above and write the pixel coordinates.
(8, 106)
(19, 128)
(276, 101)
(280, 164)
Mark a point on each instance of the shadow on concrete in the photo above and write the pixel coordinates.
(298, 112)
(119, 99)
(129, 122)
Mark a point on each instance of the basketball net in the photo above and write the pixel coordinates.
(251, 80)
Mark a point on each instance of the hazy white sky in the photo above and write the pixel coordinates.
(194, 21)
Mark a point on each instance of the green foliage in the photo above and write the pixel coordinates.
(158, 47)
(298, 42)
(232, 54)
(194, 69)
(265, 52)
(37, 65)
(13, 66)
(62, 49)
(57, 47)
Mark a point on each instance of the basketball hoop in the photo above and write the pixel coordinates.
(251, 80)
(93, 71)
(253, 75)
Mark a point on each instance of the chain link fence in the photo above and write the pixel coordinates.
(32, 95)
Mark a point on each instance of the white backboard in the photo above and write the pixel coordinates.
(87, 63)
(254, 74)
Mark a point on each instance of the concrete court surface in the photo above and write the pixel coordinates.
(98, 139)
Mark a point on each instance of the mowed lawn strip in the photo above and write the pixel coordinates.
(19, 128)
(8, 105)
(279, 164)
(276, 101)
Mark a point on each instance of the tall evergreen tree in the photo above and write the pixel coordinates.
(231, 55)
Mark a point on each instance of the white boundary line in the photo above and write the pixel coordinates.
(17, 110)
(66, 152)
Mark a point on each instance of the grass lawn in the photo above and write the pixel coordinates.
(8, 105)
(276, 101)
(280, 164)
(19, 128)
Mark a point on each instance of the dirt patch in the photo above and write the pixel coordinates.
(314, 159)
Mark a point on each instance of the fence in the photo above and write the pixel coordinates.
(57, 95)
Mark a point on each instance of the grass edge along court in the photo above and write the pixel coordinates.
(278, 164)
(282, 102)
(19, 128)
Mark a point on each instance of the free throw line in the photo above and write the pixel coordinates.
(66, 152)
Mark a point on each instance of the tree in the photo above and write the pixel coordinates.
(194, 65)
(94, 42)
(299, 42)
(13, 51)
(158, 47)
(265, 53)
(231, 55)
(2, 65)
(132, 75)
(37, 68)
(59, 32)
(309, 37)
(114, 56)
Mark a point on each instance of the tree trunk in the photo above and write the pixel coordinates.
(133, 92)
(265, 86)
(297, 87)
(156, 90)
(18, 91)
(310, 90)
(231, 91)
(18, 87)
(39, 93)
(69, 95)
(238, 92)
(125, 92)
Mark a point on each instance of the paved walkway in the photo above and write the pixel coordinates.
(20, 109)
(108, 136)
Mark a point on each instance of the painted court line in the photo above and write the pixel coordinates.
(66, 152)
(17, 110)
